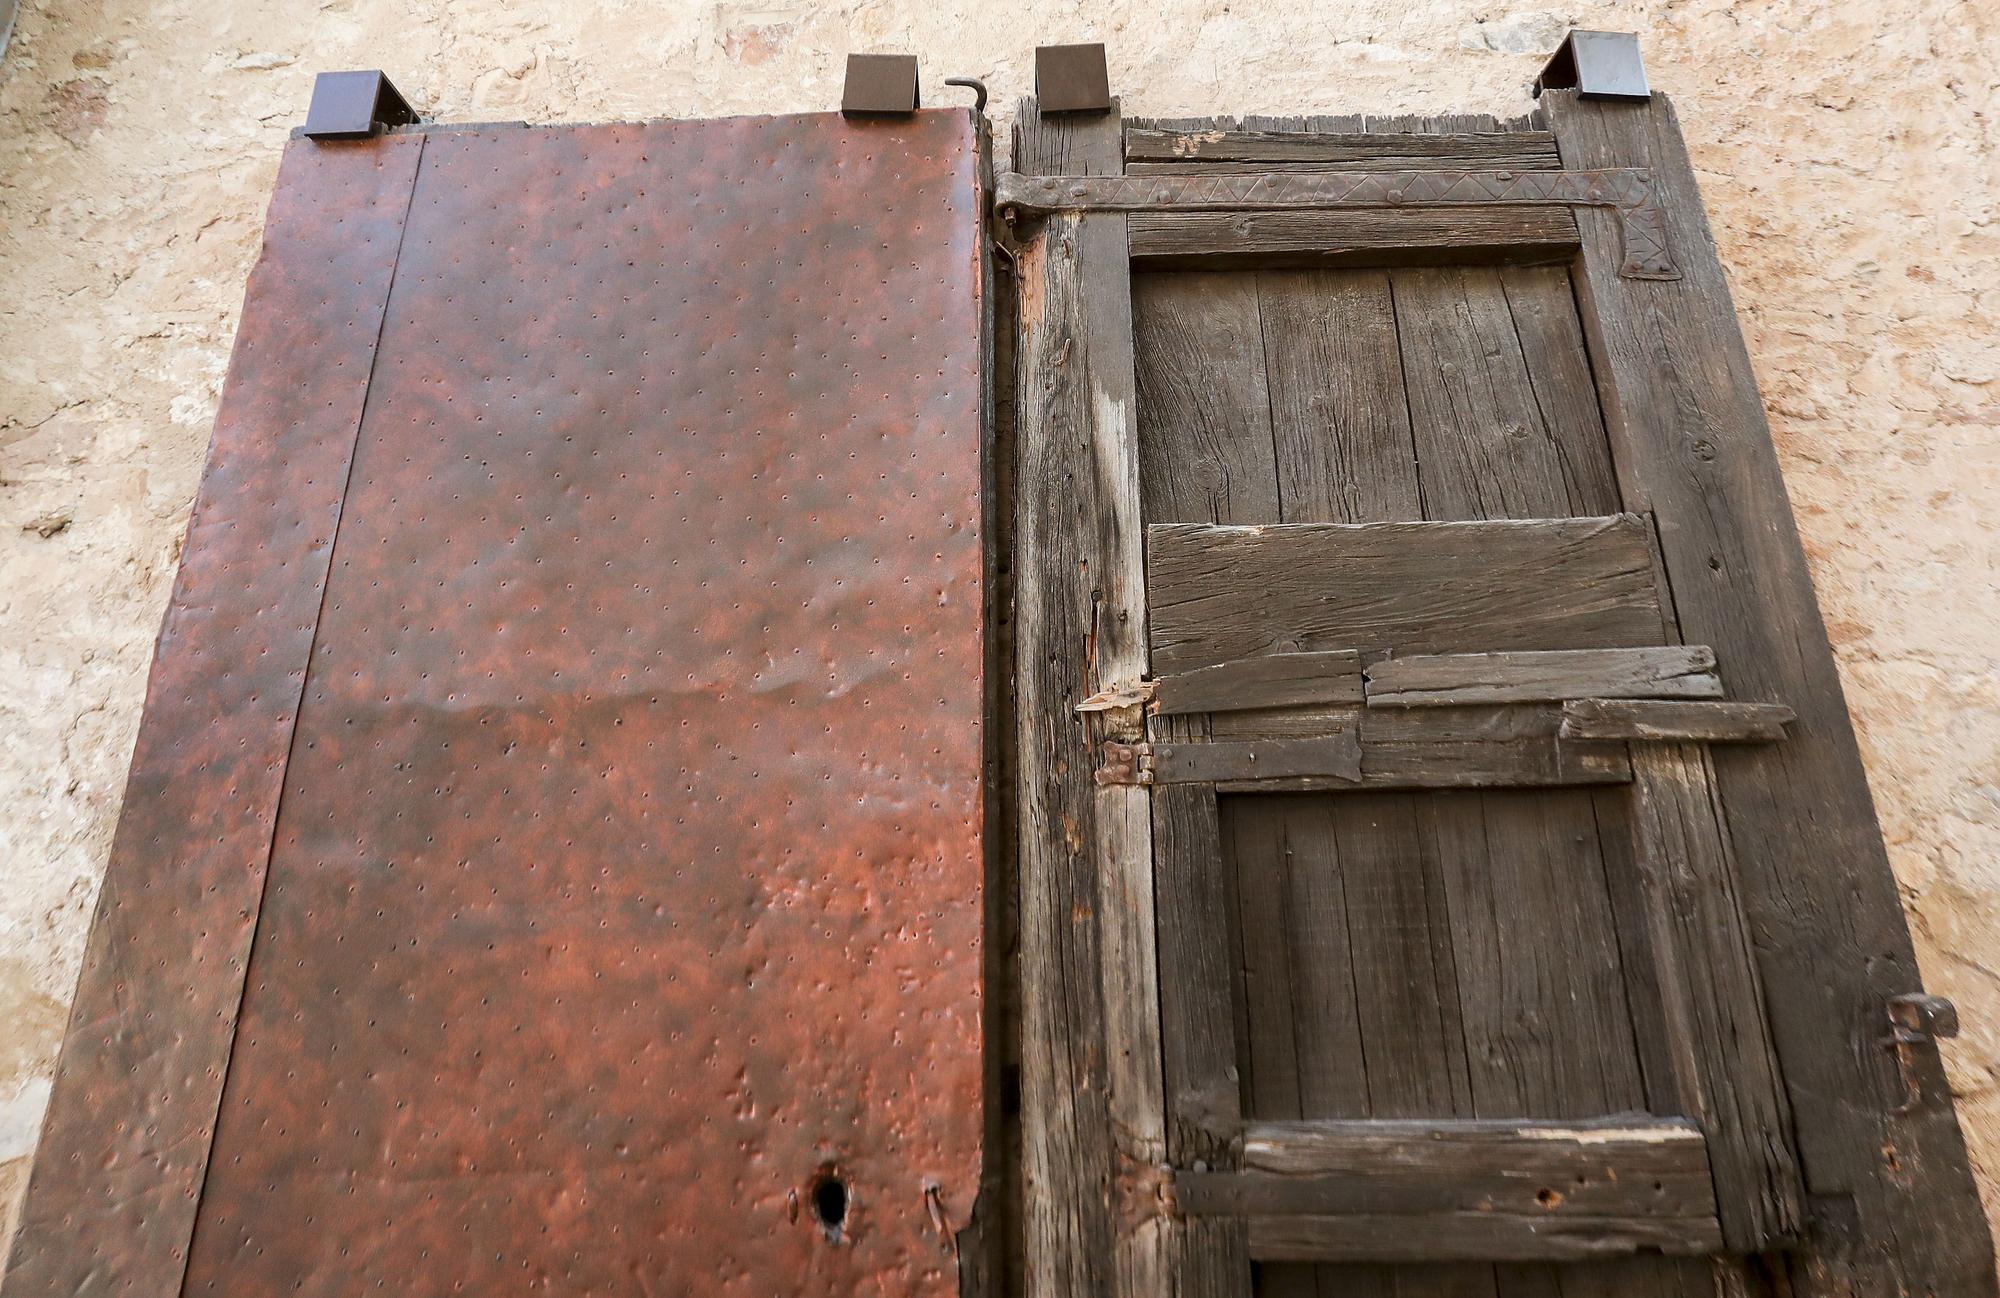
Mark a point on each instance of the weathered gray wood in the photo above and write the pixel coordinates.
(1334, 754)
(1489, 444)
(1198, 1017)
(1477, 1237)
(1219, 593)
(1526, 150)
(1523, 676)
(1896, 1207)
(1340, 423)
(1714, 999)
(1649, 719)
(1268, 681)
(1092, 1105)
(1206, 455)
(1617, 1167)
(1358, 237)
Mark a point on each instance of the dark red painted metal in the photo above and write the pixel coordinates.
(112, 1198)
(627, 880)
(626, 885)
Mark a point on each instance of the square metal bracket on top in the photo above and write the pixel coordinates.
(1072, 79)
(1597, 65)
(354, 105)
(879, 85)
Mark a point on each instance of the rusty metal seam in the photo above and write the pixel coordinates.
(305, 679)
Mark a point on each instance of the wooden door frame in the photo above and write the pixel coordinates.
(1891, 1203)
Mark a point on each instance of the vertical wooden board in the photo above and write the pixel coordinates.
(1092, 1102)
(1260, 861)
(1198, 1016)
(1893, 1197)
(1548, 1031)
(1204, 414)
(1406, 979)
(1486, 448)
(126, 1144)
(1715, 1011)
(1339, 418)
(1541, 303)
(1332, 1075)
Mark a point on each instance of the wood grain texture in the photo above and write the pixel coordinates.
(1670, 720)
(1219, 593)
(1715, 1017)
(1340, 425)
(1896, 1208)
(1350, 150)
(1356, 237)
(1489, 445)
(1334, 753)
(1198, 1015)
(1092, 1103)
(1619, 1167)
(1526, 676)
(1269, 681)
(1482, 1236)
(1199, 350)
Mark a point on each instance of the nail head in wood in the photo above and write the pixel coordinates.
(1597, 65)
(354, 106)
(1072, 79)
(879, 85)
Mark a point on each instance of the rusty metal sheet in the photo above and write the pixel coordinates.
(626, 891)
(111, 1202)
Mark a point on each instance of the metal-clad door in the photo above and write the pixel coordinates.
(554, 856)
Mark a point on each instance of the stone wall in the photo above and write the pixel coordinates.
(1849, 151)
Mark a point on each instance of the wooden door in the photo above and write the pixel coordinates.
(1446, 867)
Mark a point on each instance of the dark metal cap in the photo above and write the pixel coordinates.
(879, 84)
(353, 105)
(1071, 79)
(1597, 65)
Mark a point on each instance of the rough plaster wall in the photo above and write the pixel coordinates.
(1847, 147)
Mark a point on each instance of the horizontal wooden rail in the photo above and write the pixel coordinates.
(1449, 680)
(1448, 1190)
(1625, 190)
(1266, 681)
(1667, 720)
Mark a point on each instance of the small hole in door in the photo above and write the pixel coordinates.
(829, 1202)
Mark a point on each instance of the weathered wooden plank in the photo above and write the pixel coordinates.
(1206, 455)
(1489, 445)
(1357, 237)
(1481, 1146)
(1650, 719)
(1527, 150)
(1267, 681)
(1198, 1017)
(1477, 1237)
(1897, 1208)
(1621, 1167)
(1219, 593)
(1092, 1104)
(1339, 422)
(1522, 676)
(1714, 1001)
(1334, 754)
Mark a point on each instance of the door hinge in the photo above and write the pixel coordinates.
(1126, 763)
